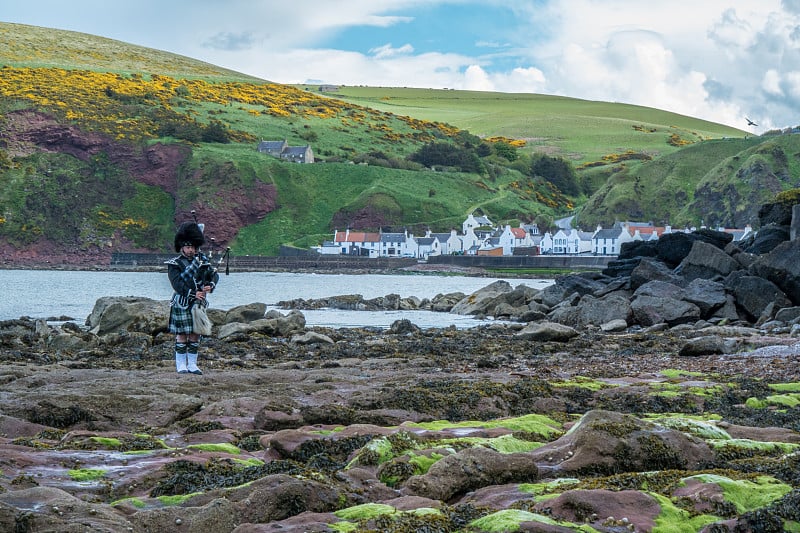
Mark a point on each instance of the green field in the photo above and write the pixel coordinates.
(581, 130)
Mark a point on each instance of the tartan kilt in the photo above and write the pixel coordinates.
(180, 320)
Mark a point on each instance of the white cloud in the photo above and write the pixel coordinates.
(732, 31)
(708, 59)
(793, 86)
(386, 51)
(476, 79)
(715, 59)
(771, 83)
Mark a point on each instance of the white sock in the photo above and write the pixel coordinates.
(192, 360)
(180, 357)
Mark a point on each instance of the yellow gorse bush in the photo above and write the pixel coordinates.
(113, 103)
(516, 143)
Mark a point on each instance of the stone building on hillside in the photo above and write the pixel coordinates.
(282, 150)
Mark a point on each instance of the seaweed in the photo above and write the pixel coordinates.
(49, 414)
(185, 477)
(202, 427)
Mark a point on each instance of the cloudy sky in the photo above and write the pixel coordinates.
(722, 60)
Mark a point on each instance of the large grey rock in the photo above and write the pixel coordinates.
(246, 313)
(275, 326)
(546, 331)
(650, 269)
(651, 310)
(311, 337)
(445, 302)
(768, 238)
(778, 213)
(113, 314)
(707, 345)
(631, 249)
(597, 311)
(479, 301)
(520, 296)
(782, 267)
(706, 261)
(706, 294)
(754, 294)
(621, 267)
(660, 289)
(569, 284)
(672, 248)
(564, 314)
(728, 310)
(788, 314)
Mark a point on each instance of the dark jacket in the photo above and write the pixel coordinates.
(187, 277)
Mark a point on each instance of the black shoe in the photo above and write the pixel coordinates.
(183, 371)
(198, 372)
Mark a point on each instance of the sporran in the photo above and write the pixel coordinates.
(201, 324)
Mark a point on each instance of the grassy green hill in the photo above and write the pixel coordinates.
(106, 146)
(581, 130)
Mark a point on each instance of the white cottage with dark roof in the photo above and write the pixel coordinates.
(282, 150)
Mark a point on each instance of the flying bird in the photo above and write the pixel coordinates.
(750, 122)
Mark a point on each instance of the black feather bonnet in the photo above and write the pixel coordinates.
(189, 233)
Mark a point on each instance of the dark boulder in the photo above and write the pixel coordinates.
(706, 294)
(754, 294)
(777, 213)
(650, 269)
(570, 284)
(652, 310)
(674, 247)
(621, 267)
(768, 238)
(782, 267)
(660, 289)
(632, 249)
(706, 261)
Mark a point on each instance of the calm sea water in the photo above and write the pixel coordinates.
(57, 293)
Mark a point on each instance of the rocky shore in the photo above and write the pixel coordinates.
(659, 395)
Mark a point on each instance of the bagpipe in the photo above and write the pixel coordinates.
(207, 270)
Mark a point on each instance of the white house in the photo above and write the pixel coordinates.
(546, 244)
(470, 239)
(566, 241)
(450, 243)
(585, 238)
(532, 229)
(522, 238)
(428, 246)
(609, 241)
(398, 245)
(356, 243)
(476, 222)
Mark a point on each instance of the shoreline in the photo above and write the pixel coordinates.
(419, 269)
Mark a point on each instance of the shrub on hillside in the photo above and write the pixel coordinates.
(558, 172)
(440, 154)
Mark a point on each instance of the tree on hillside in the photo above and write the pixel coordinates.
(557, 171)
(216, 132)
(447, 155)
(505, 150)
